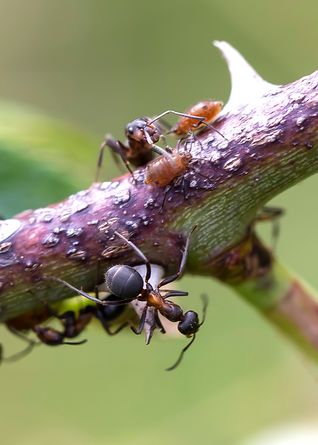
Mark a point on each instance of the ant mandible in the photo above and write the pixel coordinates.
(74, 321)
(144, 133)
(127, 284)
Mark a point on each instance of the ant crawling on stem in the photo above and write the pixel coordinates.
(144, 133)
(127, 285)
(74, 320)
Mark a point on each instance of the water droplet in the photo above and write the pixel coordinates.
(149, 203)
(8, 228)
(31, 265)
(73, 231)
(71, 251)
(65, 216)
(44, 215)
(232, 164)
(223, 144)
(215, 156)
(78, 206)
(58, 230)
(193, 183)
(50, 240)
(114, 184)
(300, 121)
(105, 185)
(80, 255)
(309, 145)
(4, 247)
(131, 224)
(156, 244)
(122, 198)
(93, 222)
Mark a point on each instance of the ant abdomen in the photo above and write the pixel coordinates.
(189, 324)
(171, 311)
(49, 336)
(124, 281)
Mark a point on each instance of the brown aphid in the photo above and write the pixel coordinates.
(165, 168)
(207, 109)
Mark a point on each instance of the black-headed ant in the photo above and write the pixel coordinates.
(128, 285)
(74, 320)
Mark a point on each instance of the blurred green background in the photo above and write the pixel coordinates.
(70, 72)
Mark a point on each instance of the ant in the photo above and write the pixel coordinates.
(73, 320)
(127, 284)
(144, 133)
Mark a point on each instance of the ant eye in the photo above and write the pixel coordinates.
(130, 130)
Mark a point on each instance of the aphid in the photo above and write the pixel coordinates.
(127, 284)
(167, 167)
(74, 321)
(206, 110)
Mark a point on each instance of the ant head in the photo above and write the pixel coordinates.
(190, 323)
(135, 130)
(124, 282)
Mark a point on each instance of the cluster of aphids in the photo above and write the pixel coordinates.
(124, 283)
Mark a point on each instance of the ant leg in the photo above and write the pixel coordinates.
(104, 323)
(100, 159)
(177, 363)
(116, 147)
(159, 324)
(139, 253)
(177, 113)
(23, 352)
(176, 293)
(182, 263)
(75, 289)
(272, 214)
(138, 331)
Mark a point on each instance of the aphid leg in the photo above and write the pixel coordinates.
(177, 363)
(272, 214)
(214, 129)
(173, 277)
(116, 147)
(166, 191)
(139, 253)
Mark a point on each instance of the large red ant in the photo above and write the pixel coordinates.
(127, 284)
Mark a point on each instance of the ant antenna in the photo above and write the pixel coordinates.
(205, 303)
(171, 368)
